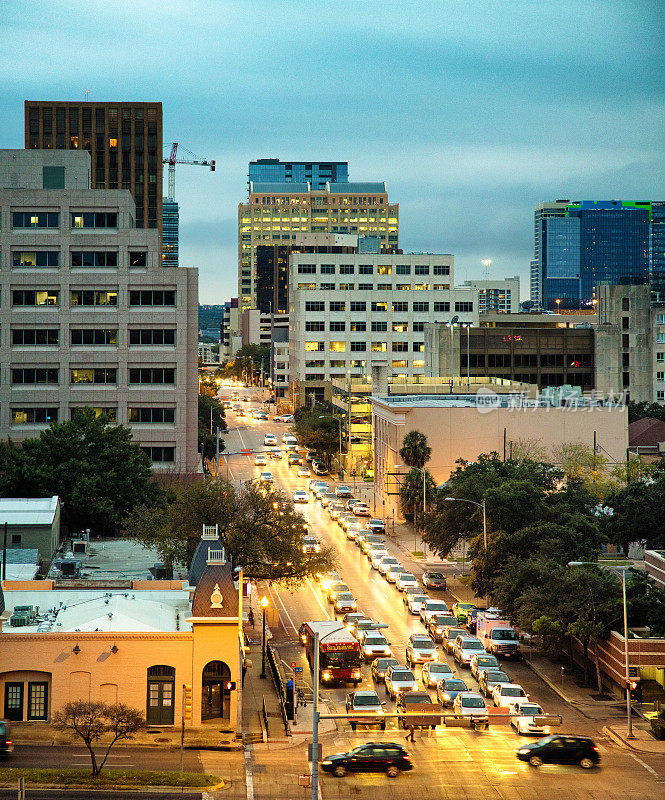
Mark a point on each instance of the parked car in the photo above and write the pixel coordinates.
(385, 757)
(448, 689)
(657, 722)
(435, 671)
(369, 708)
(489, 678)
(560, 748)
(420, 649)
(319, 468)
(471, 704)
(380, 667)
(300, 496)
(310, 455)
(6, 743)
(434, 580)
(399, 679)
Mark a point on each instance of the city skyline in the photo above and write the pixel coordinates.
(471, 115)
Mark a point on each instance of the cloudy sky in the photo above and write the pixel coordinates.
(472, 112)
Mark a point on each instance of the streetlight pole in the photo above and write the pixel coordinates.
(480, 505)
(629, 712)
(264, 605)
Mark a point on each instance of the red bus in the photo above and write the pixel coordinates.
(339, 652)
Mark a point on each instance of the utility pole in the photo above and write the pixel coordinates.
(315, 723)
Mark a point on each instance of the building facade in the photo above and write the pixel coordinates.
(170, 233)
(349, 311)
(124, 141)
(501, 296)
(582, 244)
(277, 213)
(316, 173)
(89, 317)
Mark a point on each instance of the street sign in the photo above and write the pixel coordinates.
(246, 452)
(293, 665)
(297, 670)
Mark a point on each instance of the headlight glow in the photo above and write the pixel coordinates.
(522, 751)
(326, 676)
(326, 763)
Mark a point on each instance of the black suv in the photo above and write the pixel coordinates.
(6, 744)
(385, 757)
(560, 749)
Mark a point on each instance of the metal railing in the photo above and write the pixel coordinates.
(278, 683)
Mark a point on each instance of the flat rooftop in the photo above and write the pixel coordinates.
(486, 400)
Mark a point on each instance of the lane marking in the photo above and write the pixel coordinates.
(318, 599)
(281, 602)
(249, 777)
(645, 765)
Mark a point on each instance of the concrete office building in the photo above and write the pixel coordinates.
(124, 141)
(170, 233)
(316, 173)
(501, 296)
(231, 338)
(277, 212)
(89, 317)
(348, 311)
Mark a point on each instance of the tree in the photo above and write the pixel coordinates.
(580, 462)
(638, 515)
(415, 451)
(260, 530)
(645, 409)
(412, 490)
(247, 362)
(91, 721)
(97, 471)
(318, 430)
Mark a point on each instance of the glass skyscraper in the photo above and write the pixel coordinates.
(580, 245)
(170, 232)
(657, 265)
(316, 173)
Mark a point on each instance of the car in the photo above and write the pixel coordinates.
(327, 497)
(319, 468)
(380, 667)
(369, 707)
(361, 510)
(489, 678)
(460, 610)
(432, 608)
(312, 483)
(345, 601)
(376, 525)
(560, 748)
(399, 679)
(376, 549)
(449, 636)
(384, 561)
(300, 496)
(310, 455)
(350, 502)
(240, 413)
(405, 579)
(350, 618)
(657, 723)
(270, 440)
(276, 455)
(310, 544)
(385, 757)
(352, 531)
(435, 671)
(362, 626)
(293, 460)
(370, 539)
(320, 489)
(393, 571)
(406, 702)
(420, 649)
(266, 477)
(340, 586)
(335, 509)
(377, 556)
(414, 602)
(327, 579)
(6, 743)
(344, 520)
(374, 644)
(505, 693)
(260, 460)
(245, 399)
(438, 624)
(303, 472)
(465, 648)
(471, 704)
(448, 689)
(483, 661)
(343, 490)
(434, 580)
(286, 436)
(524, 720)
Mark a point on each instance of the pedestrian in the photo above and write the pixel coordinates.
(410, 736)
(250, 617)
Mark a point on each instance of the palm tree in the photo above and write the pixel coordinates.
(415, 452)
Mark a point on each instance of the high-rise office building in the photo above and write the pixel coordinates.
(657, 250)
(89, 315)
(278, 212)
(316, 173)
(582, 244)
(124, 141)
(170, 233)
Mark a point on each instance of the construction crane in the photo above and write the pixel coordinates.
(172, 160)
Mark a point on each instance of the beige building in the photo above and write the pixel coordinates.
(140, 645)
(276, 213)
(32, 523)
(465, 425)
(88, 315)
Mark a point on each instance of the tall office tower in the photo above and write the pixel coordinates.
(170, 233)
(588, 243)
(543, 213)
(277, 212)
(316, 173)
(124, 141)
(89, 316)
(657, 250)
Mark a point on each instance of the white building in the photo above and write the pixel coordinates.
(206, 354)
(348, 311)
(502, 296)
(88, 315)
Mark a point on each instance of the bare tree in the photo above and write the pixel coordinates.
(92, 721)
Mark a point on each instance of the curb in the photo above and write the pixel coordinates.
(66, 787)
(621, 742)
(573, 703)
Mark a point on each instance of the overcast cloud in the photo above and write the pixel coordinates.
(472, 112)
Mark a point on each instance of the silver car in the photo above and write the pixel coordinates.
(399, 679)
(465, 648)
(420, 649)
(374, 644)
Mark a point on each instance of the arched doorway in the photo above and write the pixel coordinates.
(215, 697)
(161, 691)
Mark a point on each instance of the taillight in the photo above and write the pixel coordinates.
(595, 748)
(8, 741)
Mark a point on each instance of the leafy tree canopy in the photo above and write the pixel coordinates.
(318, 430)
(412, 490)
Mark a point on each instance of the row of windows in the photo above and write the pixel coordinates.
(135, 415)
(370, 287)
(38, 376)
(359, 347)
(78, 258)
(383, 306)
(368, 269)
(51, 219)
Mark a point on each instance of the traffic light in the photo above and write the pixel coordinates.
(230, 686)
(187, 701)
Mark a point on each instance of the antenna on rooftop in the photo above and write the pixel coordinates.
(487, 263)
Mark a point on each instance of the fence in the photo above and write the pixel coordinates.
(278, 683)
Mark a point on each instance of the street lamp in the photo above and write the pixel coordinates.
(339, 419)
(264, 605)
(480, 505)
(625, 632)
(558, 303)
